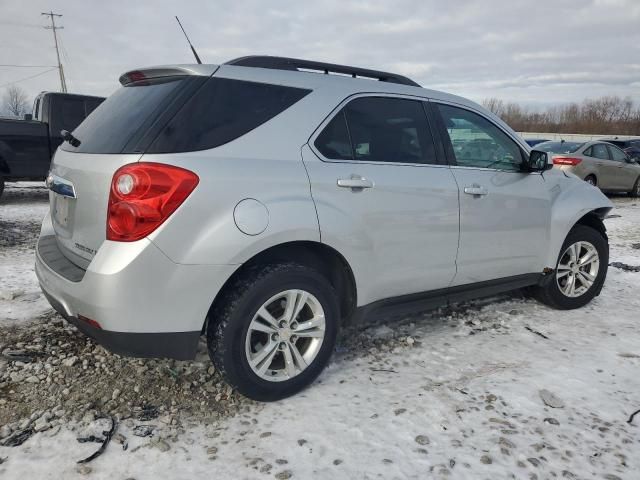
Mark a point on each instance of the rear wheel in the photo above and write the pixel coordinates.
(591, 180)
(1, 185)
(580, 271)
(273, 330)
(635, 193)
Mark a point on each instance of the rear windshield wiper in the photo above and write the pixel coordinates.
(68, 137)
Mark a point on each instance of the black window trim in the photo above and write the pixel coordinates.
(440, 159)
(525, 149)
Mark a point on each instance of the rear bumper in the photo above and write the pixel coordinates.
(145, 304)
(176, 345)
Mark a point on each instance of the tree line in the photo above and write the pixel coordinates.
(609, 115)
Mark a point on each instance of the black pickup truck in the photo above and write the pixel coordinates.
(26, 146)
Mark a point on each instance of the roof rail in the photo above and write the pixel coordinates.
(285, 63)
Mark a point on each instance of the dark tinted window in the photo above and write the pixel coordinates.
(477, 142)
(71, 113)
(334, 141)
(91, 104)
(389, 130)
(120, 116)
(221, 111)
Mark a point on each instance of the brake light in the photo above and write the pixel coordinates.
(566, 161)
(136, 76)
(143, 196)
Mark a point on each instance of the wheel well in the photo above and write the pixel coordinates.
(593, 175)
(321, 257)
(4, 168)
(593, 219)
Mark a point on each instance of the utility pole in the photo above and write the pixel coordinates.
(53, 27)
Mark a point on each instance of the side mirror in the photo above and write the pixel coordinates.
(28, 117)
(538, 161)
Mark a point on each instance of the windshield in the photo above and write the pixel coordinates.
(110, 126)
(559, 147)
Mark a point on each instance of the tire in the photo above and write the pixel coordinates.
(1, 185)
(551, 293)
(233, 344)
(591, 180)
(635, 193)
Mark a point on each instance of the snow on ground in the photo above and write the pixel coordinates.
(22, 208)
(448, 394)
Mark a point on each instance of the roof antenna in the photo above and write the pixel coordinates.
(187, 37)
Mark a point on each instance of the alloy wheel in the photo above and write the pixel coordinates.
(285, 335)
(577, 269)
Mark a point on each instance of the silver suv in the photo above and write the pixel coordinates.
(267, 202)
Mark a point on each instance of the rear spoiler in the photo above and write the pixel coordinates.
(160, 72)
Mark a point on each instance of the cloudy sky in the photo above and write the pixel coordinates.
(534, 52)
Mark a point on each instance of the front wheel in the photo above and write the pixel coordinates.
(580, 271)
(273, 330)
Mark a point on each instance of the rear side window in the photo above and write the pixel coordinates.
(72, 113)
(379, 129)
(617, 154)
(111, 125)
(334, 140)
(221, 111)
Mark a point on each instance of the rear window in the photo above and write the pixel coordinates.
(111, 125)
(559, 147)
(221, 111)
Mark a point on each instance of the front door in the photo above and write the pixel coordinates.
(504, 212)
(383, 198)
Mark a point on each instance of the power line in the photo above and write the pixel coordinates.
(19, 24)
(27, 66)
(28, 78)
(63, 84)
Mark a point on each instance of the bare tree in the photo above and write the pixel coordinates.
(15, 101)
(606, 115)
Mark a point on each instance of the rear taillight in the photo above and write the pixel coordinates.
(143, 195)
(566, 161)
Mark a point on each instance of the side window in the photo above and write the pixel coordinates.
(334, 141)
(616, 154)
(36, 109)
(222, 111)
(588, 152)
(387, 129)
(600, 151)
(477, 142)
(72, 113)
(91, 104)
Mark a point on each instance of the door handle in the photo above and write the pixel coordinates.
(476, 190)
(356, 183)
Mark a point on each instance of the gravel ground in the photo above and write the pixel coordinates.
(498, 388)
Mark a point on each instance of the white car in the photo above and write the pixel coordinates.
(267, 201)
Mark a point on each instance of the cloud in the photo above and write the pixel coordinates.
(547, 51)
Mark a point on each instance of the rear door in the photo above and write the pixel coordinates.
(625, 173)
(504, 212)
(606, 169)
(383, 198)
